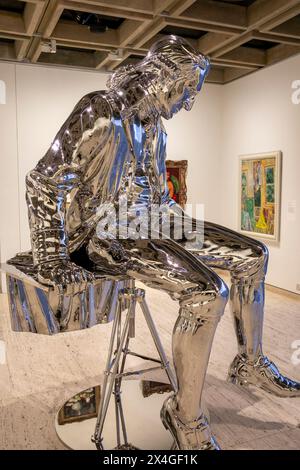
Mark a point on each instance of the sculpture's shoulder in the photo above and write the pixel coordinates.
(90, 121)
(96, 103)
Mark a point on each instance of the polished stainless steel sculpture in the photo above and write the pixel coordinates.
(111, 148)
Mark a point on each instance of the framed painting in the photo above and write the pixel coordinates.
(259, 195)
(176, 180)
(82, 406)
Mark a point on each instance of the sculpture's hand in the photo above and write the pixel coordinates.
(65, 275)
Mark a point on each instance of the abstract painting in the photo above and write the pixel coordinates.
(259, 183)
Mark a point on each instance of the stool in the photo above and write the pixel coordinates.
(116, 361)
(41, 309)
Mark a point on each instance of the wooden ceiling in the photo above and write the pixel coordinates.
(240, 36)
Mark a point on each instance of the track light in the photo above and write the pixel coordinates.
(116, 55)
(49, 47)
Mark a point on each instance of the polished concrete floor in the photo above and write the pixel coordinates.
(39, 373)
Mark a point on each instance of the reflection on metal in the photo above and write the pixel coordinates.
(143, 423)
(37, 308)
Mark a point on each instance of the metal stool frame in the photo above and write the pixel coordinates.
(116, 361)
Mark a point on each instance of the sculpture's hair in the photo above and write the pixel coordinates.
(169, 60)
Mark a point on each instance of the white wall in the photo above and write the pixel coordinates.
(195, 136)
(251, 115)
(9, 187)
(259, 116)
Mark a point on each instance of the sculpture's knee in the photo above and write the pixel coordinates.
(258, 263)
(252, 265)
(206, 303)
(264, 256)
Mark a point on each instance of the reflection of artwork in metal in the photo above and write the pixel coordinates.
(82, 406)
(176, 180)
(260, 178)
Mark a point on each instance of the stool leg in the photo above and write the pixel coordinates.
(110, 375)
(157, 341)
(118, 400)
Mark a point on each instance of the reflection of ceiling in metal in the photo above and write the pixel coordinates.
(240, 36)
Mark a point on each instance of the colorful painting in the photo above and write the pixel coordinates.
(176, 180)
(260, 178)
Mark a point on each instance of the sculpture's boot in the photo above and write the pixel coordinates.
(192, 340)
(250, 366)
(263, 374)
(192, 435)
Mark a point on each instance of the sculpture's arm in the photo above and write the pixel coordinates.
(56, 177)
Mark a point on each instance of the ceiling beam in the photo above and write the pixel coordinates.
(145, 33)
(100, 48)
(269, 37)
(162, 6)
(200, 25)
(51, 18)
(281, 52)
(146, 46)
(290, 29)
(12, 22)
(233, 74)
(69, 58)
(21, 47)
(215, 75)
(109, 11)
(7, 52)
(32, 16)
(247, 56)
(180, 6)
(217, 13)
(263, 12)
(130, 30)
(233, 44)
(154, 28)
(5, 35)
(281, 19)
(44, 30)
(143, 6)
(67, 30)
(233, 64)
(257, 14)
(212, 41)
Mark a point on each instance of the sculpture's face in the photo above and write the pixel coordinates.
(172, 73)
(181, 95)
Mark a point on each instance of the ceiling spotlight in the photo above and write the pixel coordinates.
(49, 47)
(93, 21)
(116, 55)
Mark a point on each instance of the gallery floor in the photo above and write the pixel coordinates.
(40, 373)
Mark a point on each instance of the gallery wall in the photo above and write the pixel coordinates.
(259, 116)
(251, 115)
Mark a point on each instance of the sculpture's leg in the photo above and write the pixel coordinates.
(250, 366)
(192, 340)
(202, 295)
(247, 260)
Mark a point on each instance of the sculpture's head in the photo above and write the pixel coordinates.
(170, 75)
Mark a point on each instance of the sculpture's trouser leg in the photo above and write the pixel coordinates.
(247, 261)
(202, 296)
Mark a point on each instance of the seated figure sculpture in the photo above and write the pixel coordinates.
(112, 146)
